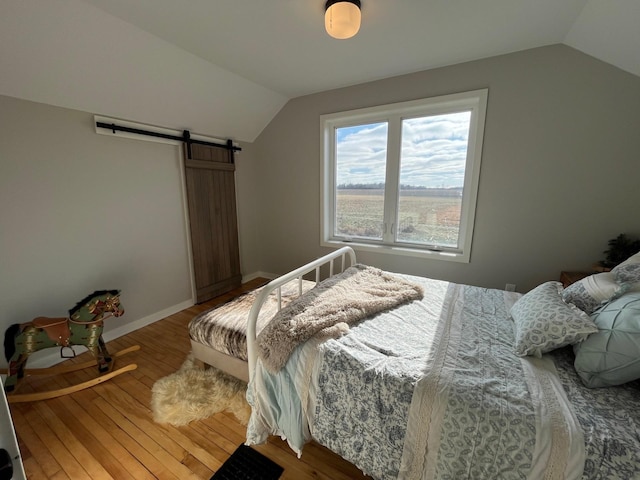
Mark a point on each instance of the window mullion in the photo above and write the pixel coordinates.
(392, 182)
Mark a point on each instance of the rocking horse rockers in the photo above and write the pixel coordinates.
(83, 327)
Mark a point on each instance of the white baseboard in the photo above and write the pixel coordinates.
(51, 356)
(251, 276)
(143, 322)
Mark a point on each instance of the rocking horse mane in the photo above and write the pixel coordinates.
(97, 293)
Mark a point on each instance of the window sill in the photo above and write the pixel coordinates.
(402, 251)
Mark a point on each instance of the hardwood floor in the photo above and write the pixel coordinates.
(107, 432)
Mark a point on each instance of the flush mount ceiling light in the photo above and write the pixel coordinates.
(342, 18)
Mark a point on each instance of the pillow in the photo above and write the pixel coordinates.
(612, 356)
(590, 292)
(544, 322)
(628, 272)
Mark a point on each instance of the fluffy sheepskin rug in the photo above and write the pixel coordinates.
(193, 393)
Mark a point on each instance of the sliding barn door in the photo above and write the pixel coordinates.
(211, 196)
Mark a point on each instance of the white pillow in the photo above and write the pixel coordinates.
(592, 291)
(595, 290)
(628, 272)
(544, 322)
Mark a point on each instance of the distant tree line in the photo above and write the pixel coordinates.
(361, 186)
(436, 191)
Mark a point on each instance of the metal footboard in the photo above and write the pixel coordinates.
(276, 285)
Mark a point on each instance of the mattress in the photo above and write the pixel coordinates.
(224, 328)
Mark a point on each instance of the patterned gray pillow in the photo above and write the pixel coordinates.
(592, 291)
(544, 322)
(627, 274)
(578, 295)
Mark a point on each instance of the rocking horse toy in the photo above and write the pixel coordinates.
(83, 327)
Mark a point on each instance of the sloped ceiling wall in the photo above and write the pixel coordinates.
(609, 31)
(68, 53)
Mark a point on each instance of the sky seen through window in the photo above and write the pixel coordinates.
(434, 151)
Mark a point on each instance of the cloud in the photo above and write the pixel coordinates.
(434, 151)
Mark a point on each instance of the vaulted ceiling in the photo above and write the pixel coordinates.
(226, 67)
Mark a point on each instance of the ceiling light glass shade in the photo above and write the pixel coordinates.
(342, 18)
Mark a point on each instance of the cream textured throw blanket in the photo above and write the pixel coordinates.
(328, 309)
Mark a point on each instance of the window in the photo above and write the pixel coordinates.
(403, 178)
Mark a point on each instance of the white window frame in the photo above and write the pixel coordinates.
(473, 101)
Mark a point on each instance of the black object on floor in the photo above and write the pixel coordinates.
(6, 466)
(247, 464)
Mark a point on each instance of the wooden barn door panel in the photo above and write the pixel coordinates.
(211, 197)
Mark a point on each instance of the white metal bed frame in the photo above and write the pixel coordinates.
(297, 274)
(244, 370)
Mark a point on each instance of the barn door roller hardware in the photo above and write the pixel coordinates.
(186, 137)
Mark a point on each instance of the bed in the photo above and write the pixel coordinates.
(456, 384)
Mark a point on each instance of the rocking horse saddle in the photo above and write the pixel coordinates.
(57, 329)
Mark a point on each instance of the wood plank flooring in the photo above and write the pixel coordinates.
(107, 432)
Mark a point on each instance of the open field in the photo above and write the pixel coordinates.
(423, 217)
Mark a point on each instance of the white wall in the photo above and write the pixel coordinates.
(559, 176)
(249, 203)
(81, 212)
